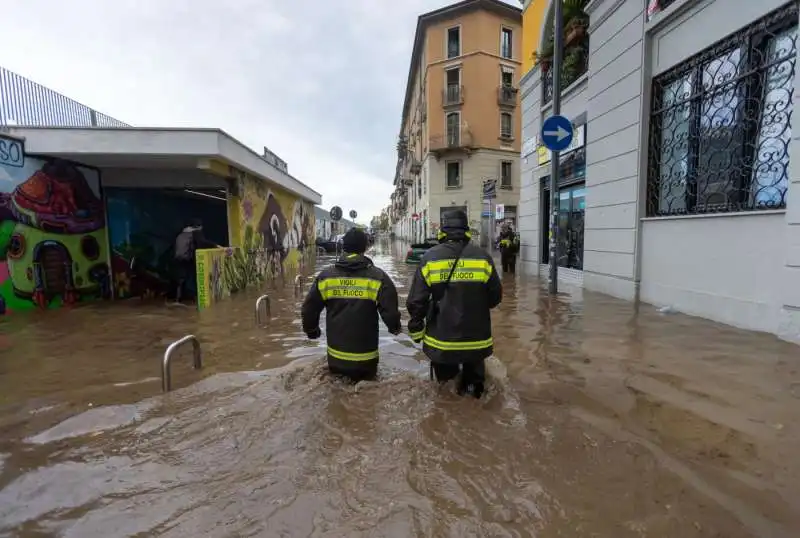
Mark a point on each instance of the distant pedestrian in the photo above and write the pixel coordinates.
(509, 246)
(187, 243)
(451, 295)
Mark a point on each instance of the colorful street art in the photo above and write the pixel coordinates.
(270, 232)
(53, 244)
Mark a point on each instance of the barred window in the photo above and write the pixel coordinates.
(721, 124)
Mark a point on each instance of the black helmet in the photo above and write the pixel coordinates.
(454, 220)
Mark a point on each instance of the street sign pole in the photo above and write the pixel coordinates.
(555, 159)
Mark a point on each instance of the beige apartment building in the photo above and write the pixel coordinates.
(461, 119)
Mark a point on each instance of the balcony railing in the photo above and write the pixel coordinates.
(507, 96)
(454, 140)
(27, 103)
(575, 64)
(453, 95)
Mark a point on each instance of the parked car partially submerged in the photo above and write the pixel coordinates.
(417, 250)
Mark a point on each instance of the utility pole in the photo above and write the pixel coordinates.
(555, 158)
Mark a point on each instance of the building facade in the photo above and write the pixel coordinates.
(679, 188)
(461, 120)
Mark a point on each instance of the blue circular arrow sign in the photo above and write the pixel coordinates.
(557, 133)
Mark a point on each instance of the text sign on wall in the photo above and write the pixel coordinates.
(578, 141)
(12, 153)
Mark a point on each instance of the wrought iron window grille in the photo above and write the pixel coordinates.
(720, 126)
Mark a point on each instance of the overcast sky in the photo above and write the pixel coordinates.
(320, 83)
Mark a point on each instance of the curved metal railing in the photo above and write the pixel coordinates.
(166, 372)
(264, 299)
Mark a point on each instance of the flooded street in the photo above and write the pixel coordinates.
(601, 420)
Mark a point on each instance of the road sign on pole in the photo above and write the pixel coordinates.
(336, 213)
(353, 214)
(557, 132)
(553, 138)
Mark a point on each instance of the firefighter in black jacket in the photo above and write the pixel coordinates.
(353, 292)
(509, 246)
(453, 291)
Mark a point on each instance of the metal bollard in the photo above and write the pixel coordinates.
(321, 251)
(166, 372)
(267, 310)
(298, 286)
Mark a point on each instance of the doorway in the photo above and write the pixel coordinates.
(571, 213)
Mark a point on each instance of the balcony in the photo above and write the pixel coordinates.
(402, 146)
(453, 95)
(576, 49)
(456, 140)
(507, 96)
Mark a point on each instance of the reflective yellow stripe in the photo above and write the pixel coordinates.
(343, 355)
(457, 346)
(468, 270)
(349, 288)
(505, 243)
(417, 335)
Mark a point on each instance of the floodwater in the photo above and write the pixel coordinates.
(601, 420)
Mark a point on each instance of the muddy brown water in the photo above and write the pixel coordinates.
(602, 420)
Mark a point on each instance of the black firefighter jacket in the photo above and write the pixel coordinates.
(353, 292)
(455, 324)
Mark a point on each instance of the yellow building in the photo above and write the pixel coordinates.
(461, 119)
(533, 14)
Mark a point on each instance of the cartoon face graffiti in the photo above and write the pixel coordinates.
(273, 225)
(296, 238)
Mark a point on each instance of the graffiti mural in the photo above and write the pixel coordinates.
(285, 222)
(270, 229)
(53, 246)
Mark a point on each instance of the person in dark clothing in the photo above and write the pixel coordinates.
(353, 293)
(451, 295)
(509, 245)
(187, 242)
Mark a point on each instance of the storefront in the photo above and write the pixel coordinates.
(571, 203)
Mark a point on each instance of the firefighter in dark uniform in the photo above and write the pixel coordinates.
(353, 293)
(509, 246)
(451, 295)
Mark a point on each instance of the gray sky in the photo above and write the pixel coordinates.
(320, 83)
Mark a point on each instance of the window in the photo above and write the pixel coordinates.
(506, 38)
(453, 120)
(507, 78)
(721, 124)
(453, 86)
(453, 172)
(506, 125)
(505, 174)
(454, 42)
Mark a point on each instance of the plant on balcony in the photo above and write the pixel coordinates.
(576, 38)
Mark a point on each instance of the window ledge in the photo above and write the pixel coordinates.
(663, 17)
(452, 188)
(718, 215)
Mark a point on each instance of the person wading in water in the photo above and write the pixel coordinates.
(451, 295)
(353, 293)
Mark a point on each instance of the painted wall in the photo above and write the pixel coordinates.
(533, 14)
(269, 231)
(53, 241)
